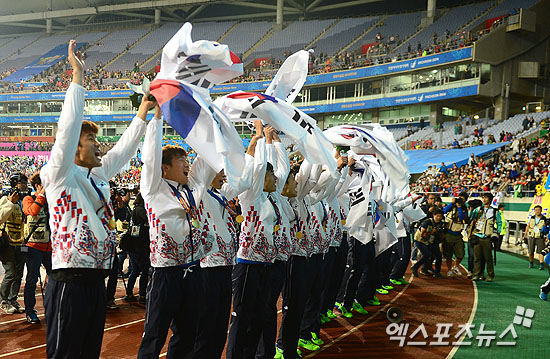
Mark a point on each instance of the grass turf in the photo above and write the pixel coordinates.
(515, 284)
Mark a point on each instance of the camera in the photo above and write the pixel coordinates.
(136, 99)
(9, 191)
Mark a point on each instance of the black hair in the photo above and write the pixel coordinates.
(17, 178)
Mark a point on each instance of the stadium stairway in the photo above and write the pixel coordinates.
(362, 35)
(476, 19)
(129, 48)
(321, 35)
(230, 30)
(20, 49)
(259, 43)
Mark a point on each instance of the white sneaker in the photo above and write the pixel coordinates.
(8, 308)
(457, 271)
(450, 273)
(18, 308)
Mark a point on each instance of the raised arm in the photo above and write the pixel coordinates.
(151, 175)
(283, 164)
(244, 182)
(70, 122)
(201, 176)
(127, 145)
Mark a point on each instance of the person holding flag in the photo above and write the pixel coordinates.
(256, 253)
(217, 267)
(179, 224)
(83, 229)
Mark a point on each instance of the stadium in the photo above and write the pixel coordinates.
(450, 96)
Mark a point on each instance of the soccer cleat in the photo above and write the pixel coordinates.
(32, 318)
(469, 275)
(18, 307)
(396, 282)
(130, 299)
(489, 279)
(373, 301)
(387, 287)
(450, 274)
(414, 271)
(308, 345)
(425, 272)
(438, 275)
(142, 299)
(345, 313)
(278, 353)
(429, 270)
(382, 291)
(111, 305)
(541, 266)
(404, 281)
(542, 295)
(8, 308)
(324, 318)
(359, 308)
(330, 314)
(457, 271)
(531, 265)
(316, 340)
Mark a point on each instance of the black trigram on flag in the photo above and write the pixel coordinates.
(192, 71)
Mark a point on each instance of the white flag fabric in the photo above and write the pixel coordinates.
(297, 125)
(384, 230)
(290, 78)
(182, 88)
(376, 140)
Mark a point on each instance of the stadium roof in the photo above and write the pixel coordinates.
(30, 15)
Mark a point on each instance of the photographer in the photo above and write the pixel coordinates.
(483, 234)
(138, 250)
(123, 214)
(37, 239)
(13, 255)
(455, 219)
(534, 236)
(427, 239)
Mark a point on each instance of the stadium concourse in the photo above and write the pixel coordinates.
(274, 179)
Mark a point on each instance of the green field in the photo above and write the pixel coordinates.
(515, 284)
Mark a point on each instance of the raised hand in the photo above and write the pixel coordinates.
(76, 63)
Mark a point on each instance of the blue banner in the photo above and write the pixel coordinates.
(394, 101)
(46, 96)
(336, 107)
(332, 77)
(44, 62)
(360, 73)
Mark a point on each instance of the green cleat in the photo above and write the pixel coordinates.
(330, 314)
(308, 344)
(279, 354)
(381, 291)
(324, 318)
(345, 313)
(316, 340)
(404, 281)
(387, 287)
(359, 308)
(396, 282)
(373, 301)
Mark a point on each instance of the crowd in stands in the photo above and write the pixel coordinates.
(26, 146)
(516, 171)
(22, 164)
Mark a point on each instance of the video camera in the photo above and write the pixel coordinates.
(136, 99)
(9, 191)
